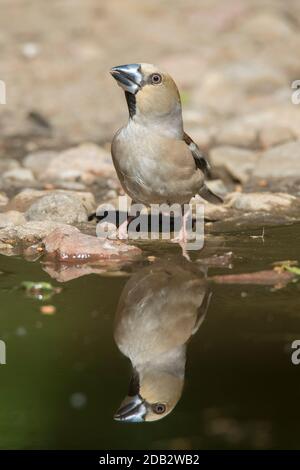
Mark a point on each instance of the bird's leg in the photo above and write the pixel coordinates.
(182, 237)
(122, 230)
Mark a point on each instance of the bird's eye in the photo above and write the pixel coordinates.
(159, 408)
(156, 78)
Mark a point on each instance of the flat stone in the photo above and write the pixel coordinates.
(28, 233)
(218, 187)
(59, 207)
(23, 200)
(282, 161)
(259, 201)
(275, 135)
(81, 160)
(19, 175)
(37, 162)
(11, 218)
(8, 164)
(237, 134)
(238, 162)
(3, 200)
(72, 246)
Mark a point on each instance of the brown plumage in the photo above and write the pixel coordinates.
(160, 308)
(156, 161)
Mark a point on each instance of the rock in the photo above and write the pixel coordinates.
(225, 85)
(23, 200)
(11, 218)
(282, 161)
(81, 160)
(3, 200)
(217, 187)
(64, 272)
(275, 135)
(30, 50)
(7, 164)
(237, 134)
(18, 175)
(267, 26)
(37, 162)
(71, 246)
(58, 207)
(282, 115)
(212, 212)
(28, 233)
(237, 161)
(259, 201)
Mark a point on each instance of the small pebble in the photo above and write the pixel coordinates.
(78, 400)
(48, 309)
(30, 50)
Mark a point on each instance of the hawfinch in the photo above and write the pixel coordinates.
(156, 161)
(160, 308)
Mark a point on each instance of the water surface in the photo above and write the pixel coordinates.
(65, 376)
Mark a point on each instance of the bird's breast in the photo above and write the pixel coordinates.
(147, 170)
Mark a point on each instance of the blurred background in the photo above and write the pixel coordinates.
(233, 61)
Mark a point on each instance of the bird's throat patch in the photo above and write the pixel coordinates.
(131, 103)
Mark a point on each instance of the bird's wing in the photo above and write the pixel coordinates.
(203, 165)
(199, 158)
(202, 311)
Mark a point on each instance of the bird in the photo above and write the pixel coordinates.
(160, 308)
(155, 159)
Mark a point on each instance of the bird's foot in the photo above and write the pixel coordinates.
(181, 240)
(120, 233)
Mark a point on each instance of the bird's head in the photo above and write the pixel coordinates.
(155, 397)
(150, 93)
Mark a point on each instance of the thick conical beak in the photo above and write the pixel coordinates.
(129, 77)
(132, 410)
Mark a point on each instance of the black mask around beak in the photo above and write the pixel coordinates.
(129, 77)
(133, 410)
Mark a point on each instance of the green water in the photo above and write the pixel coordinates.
(65, 376)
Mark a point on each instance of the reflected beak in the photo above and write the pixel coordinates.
(129, 77)
(132, 410)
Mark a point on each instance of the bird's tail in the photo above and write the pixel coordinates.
(209, 196)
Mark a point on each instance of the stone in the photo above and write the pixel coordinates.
(217, 187)
(81, 160)
(282, 161)
(264, 201)
(58, 207)
(267, 26)
(238, 162)
(29, 233)
(18, 175)
(11, 218)
(275, 135)
(65, 272)
(24, 199)
(237, 134)
(71, 246)
(7, 164)
(37, 162)
(3, 200)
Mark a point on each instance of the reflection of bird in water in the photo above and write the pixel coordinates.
(160, 308)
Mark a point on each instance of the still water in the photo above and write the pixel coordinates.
(216, 356)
